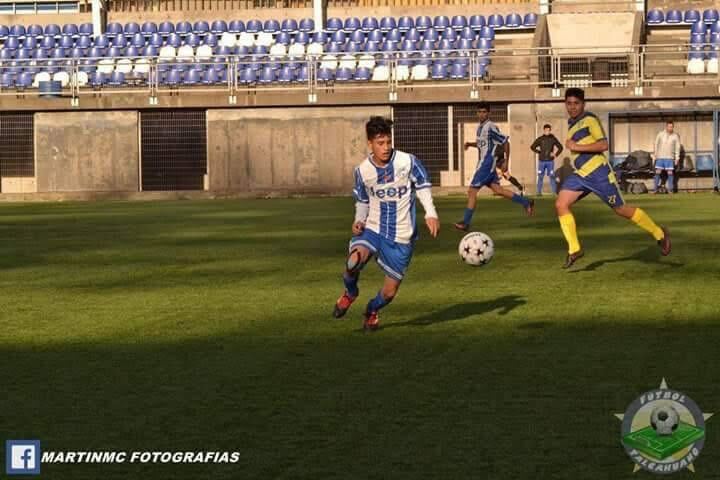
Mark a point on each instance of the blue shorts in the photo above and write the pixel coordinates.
(484, 178)
(664, 164)
(392, 257)
(602, 183)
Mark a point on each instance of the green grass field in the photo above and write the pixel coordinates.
(205, 325)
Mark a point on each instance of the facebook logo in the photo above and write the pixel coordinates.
(22, 457)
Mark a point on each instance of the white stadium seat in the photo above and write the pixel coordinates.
(329, 61)
(315, 49)
(167, 53)
(278, 50)
(696, 66)
(228, 40)
(367, 61)
(203, 53)
(81, 78)
(41, 77)
(124, 65)
(420, 72)
(402, 72)
(296, 50)
(106, 66)
(264, 39)
(246, 40)
(185, 54)
(712, 66)
(62, 77)
(348, 61)
(142, 67)
(381, 74)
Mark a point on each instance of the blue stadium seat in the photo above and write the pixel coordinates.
(47, 43)
(30, 43)
(423, 22)
(18, 31)
(150, 51)
(173, 77)
(138, 40)
(344, 75)
(487, 32)
(210, 39)
(119, 41)
(86, 29)
(303, 38)
(283, 38)
(697, 38)
(112, 30)
(449, 34)
(31, 31)
(407, 46)
(375, 36)
(335, 48)
(513, 20)
(226, 51)
(211, 77)
(715, 28)
(484, 44)
(426, 45)
(353, 47)
(183, 28)
(100, 41)
(438, 71)
(441, 22)
(77, 52)
(289, 25)
(253, 26)
(7, 80)
(338, 36)
(4, 31)
(156, 40)
(84, 41)
(97, 79)
(236, 26)
(286, 75)
(6, 54)
(698, 27)
(116, 52)
(431, 34)
(387, 24)
(696, 55)
(363, 74)
(405, 23)
(458, 71)
(267, 75)
(69, 29)
(131, 29)
(320, 37)
(333, 25)
(96, 52)
(201, 28)
(674, 17)
(372, 47)
(530, 20)
(691, 16)
(458, 22)
(174, 40)
(117, 79)
(58, 53)
(466, 44)
(496, 21)
(394, 35)
(25, 80)
(66, 41)
(193, 77)
(370, 24)
(467, 33)
(23, 54)
(477, 22)
(193, 40)
(711, 15)
(655, 17)
(148, 28)
(357, 36)
(307, 25)
(325, 75)
(446, 45)
(166, 28)
(302, 74)
(271, 26)
(53, 30)
(133, 51)
(389, 46)
(704, 163)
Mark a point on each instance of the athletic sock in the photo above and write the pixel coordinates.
(467, 216)
(643, 220)
(351, 284)
(567, 225)
(521, 200)
(378, 302)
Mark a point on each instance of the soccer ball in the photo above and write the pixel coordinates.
(476, 249)
(664, 419)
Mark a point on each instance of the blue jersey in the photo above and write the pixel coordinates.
(488, 139)
(390, 193)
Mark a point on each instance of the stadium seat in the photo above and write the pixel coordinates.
(289, 25)
(691, 16)
(394, 35)
(420, 72)
(333, 24)
(68, 29)
(329, 62)
(148, 29)
(344, 75)
(467, 34)
(423, 22)
(86, 29)
(673, 17)
(696, 63)
(84, 41)
(458, 71)
(496, 21)
(138, 40)
(712, 64)
(296, 50)
(112, 30)
(371, 46)
(449, 34)
(715, 28)
(6, 54)
(203, 53)
(13, 43)
(487, 32)
(4, 31)
(387, 24)
(530, 20)
(302, 38)
(41, 77)
(431, 34)
(193, 40)
(271, 26)
(513, 20)
(183, 28)
(286, 75)
(477, 22)
(97, 79)
(96, 52)
(236, 26)
(253, 26)
(325, 75)
(119, 41)
(24, 80)
(441, 22)
(697, 38)
(358, 36)
(369, 24)
(413, 34)
(302, 74)
(174, 77)
(704, 163)
(352, 47)
(438, 71)
(7, 80)
(315, 49)
(698, 27)
(130, 29)
(201, 28)
(335, 48)
(228, 40)
(375, 36)
(18, 31)
(246, 39)
(711, 15)
(77, 53)
(193, 77)
(141, 67)
(363, 74)
(307, 25)
(124, 66)
(381, 73)
(338, 36)
(31, 31)
(320, 37)
(458, 22)
(406, 23)
(53, 30)
(47, 43)
(655, 17)
(166, 28)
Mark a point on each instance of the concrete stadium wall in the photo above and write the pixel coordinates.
(298, 149)
(87, 152)
(45, 19)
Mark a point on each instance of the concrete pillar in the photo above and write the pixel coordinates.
(319, 14)
(99, 17)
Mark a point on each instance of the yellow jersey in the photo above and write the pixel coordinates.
(585, 130)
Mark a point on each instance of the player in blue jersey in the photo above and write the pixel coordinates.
(386, 185)
(488, 140)
(587, 142)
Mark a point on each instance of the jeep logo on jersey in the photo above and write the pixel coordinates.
(388, 192)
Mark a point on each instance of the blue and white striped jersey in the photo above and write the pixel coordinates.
(488, 139)
(390, 193)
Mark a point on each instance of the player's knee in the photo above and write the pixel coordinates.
(561, 206)
(355, 261)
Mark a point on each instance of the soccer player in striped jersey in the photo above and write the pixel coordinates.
(587, 143)
(488, 140)
(386, 185)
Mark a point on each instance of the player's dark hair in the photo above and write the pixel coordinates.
(547, 125)
(669, 122)
(578, 93)
(378, 126)
(483, 106)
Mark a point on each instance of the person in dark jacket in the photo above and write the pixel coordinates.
(547, 147)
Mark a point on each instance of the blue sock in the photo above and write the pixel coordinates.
(467, 216)
(520, 199)
(657, 181)
(351, 284)
(378, 302)
(671, 183)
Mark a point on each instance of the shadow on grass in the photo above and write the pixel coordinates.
(503, 305)
(646, 255)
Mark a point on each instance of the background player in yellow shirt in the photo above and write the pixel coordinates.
(587, 143)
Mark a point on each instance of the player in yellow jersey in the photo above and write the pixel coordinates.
(587, 143)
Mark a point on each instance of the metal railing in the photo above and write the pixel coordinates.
(633, 67)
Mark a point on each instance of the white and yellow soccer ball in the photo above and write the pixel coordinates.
(476, 249)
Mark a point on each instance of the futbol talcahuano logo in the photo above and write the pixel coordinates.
(663, 431)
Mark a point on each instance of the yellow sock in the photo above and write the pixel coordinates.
(567, 225)
(642, 220)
